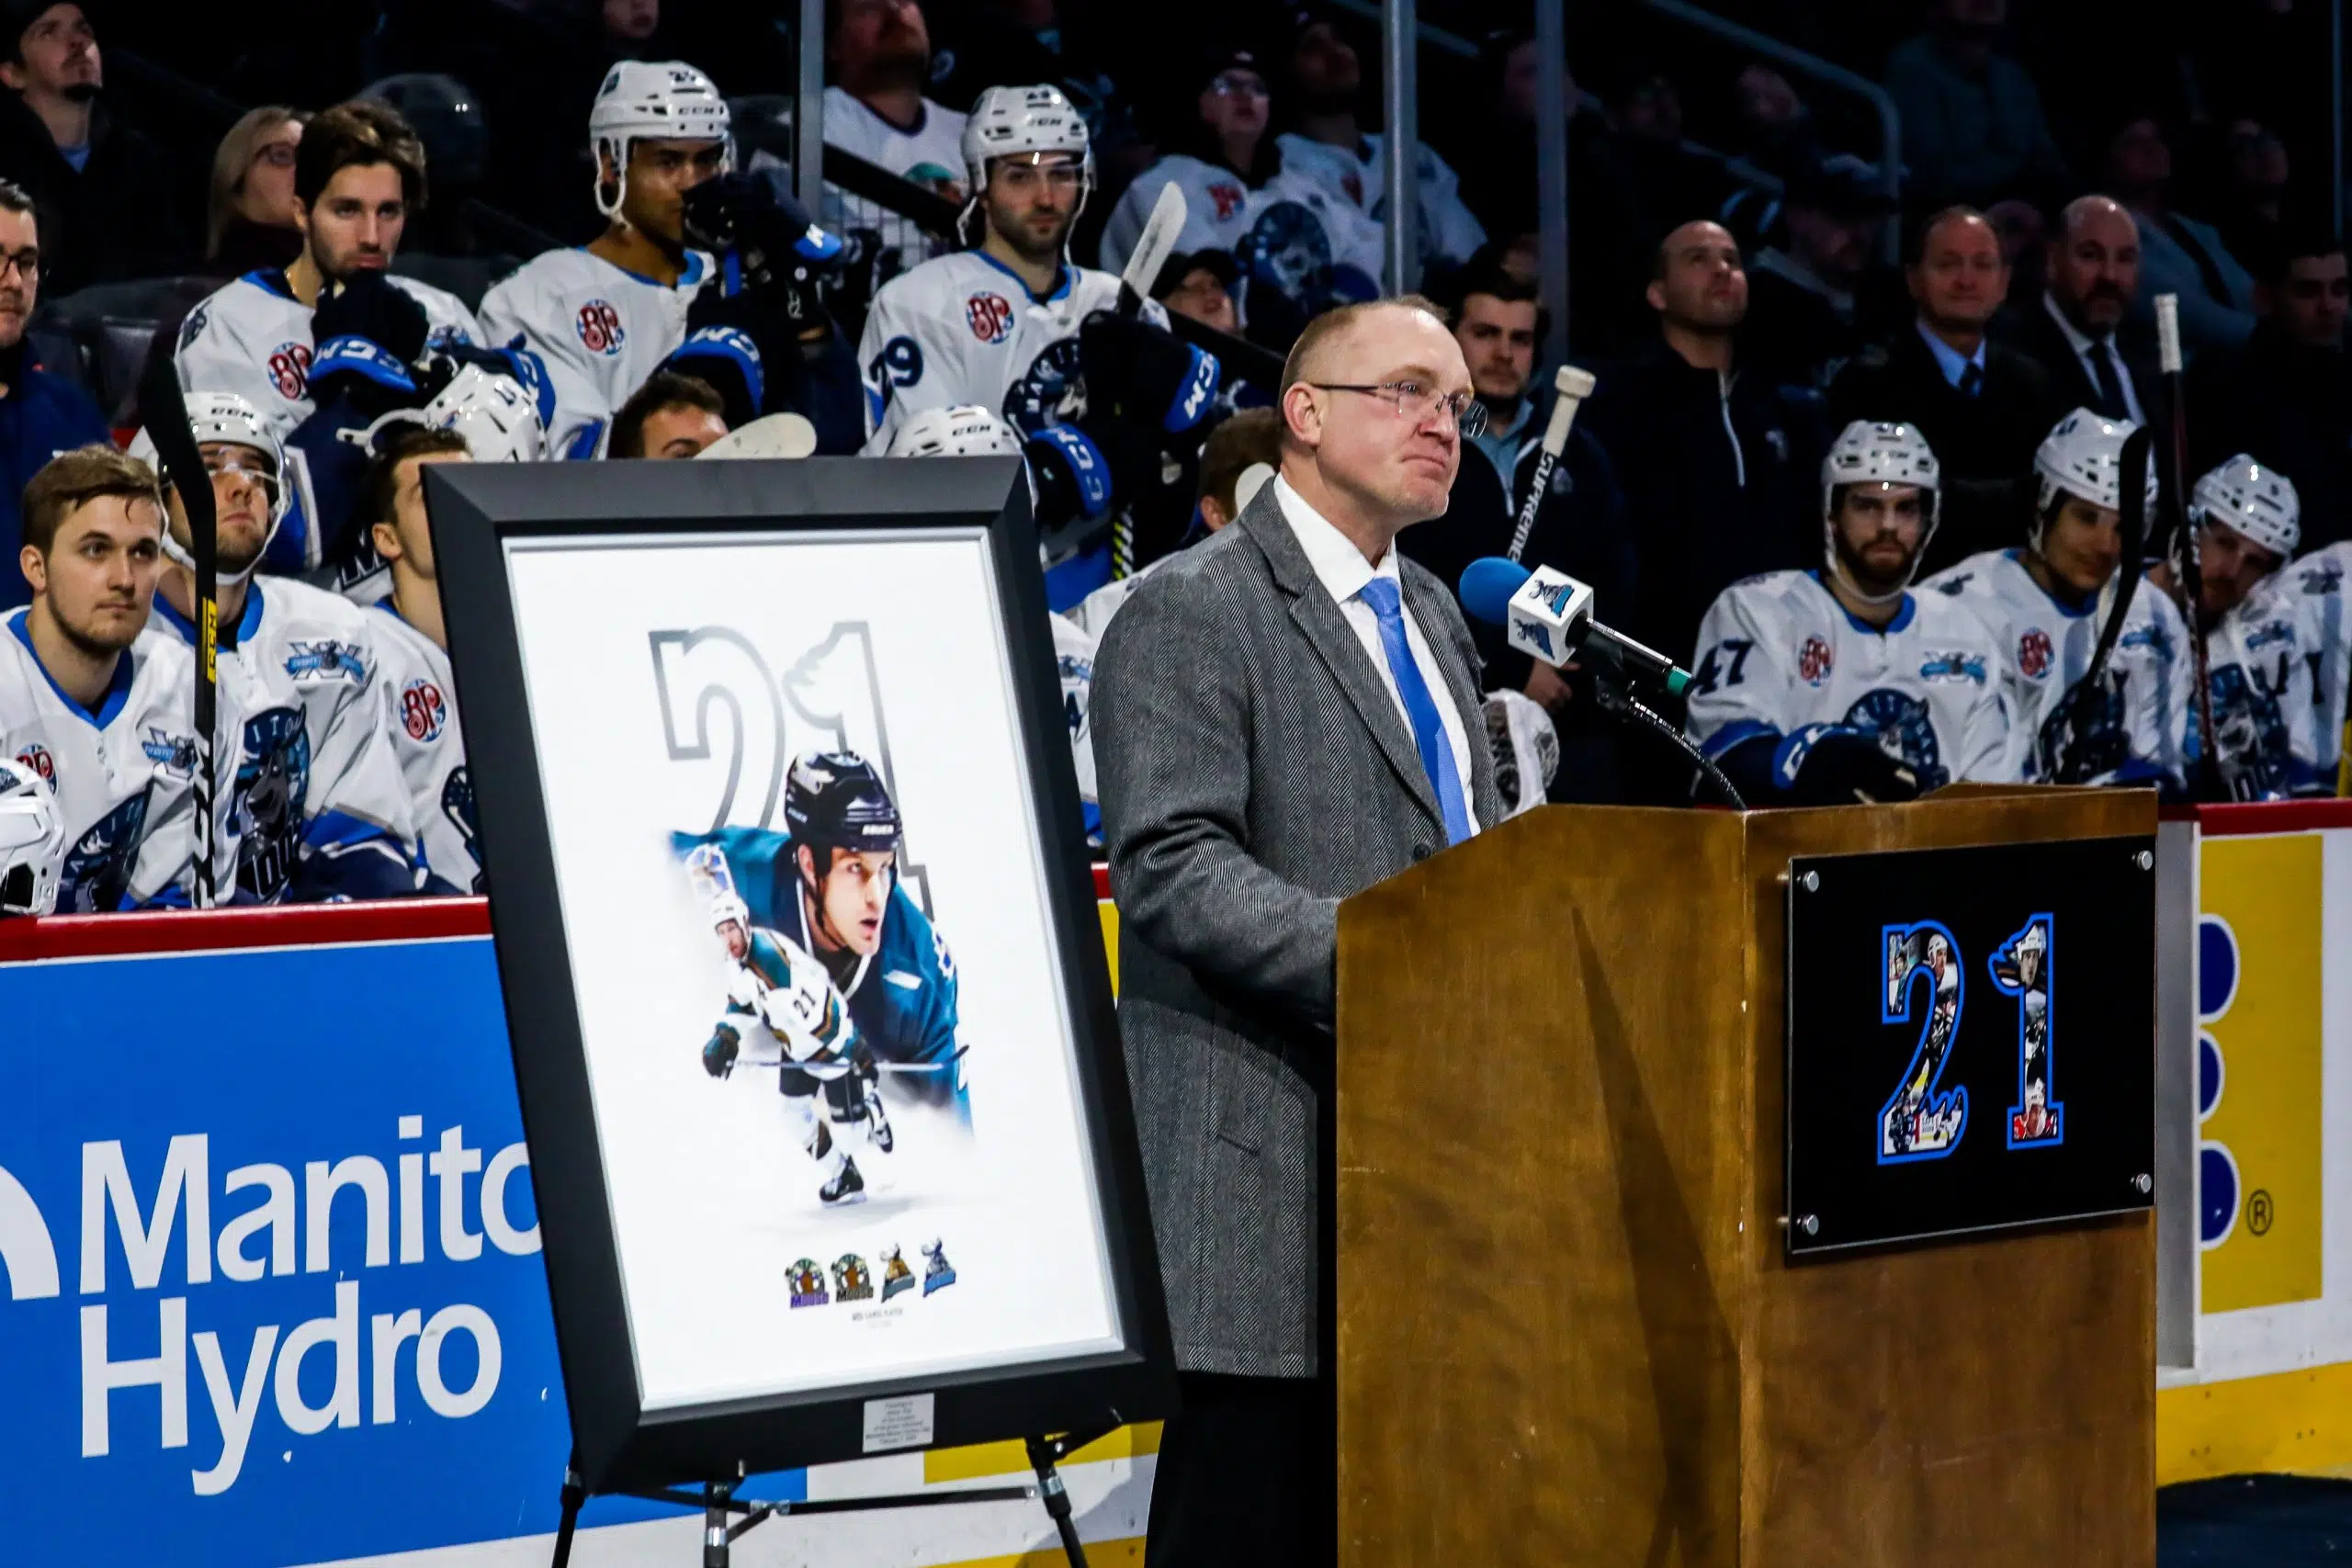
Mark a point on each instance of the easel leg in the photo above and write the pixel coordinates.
(575, 1494)
(715, 1538)
(1043, 1454)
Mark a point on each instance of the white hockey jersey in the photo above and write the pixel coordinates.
(2260, 663)
(1296, 220)
(2133, 734)
(963, 328)
(1074, 659)
(322, 810)
(2315, 586)
(1447, 229)
(1781, 659)
(931, 156)
(125, 775)
(602, 331)
(430, 746)
(253, 337)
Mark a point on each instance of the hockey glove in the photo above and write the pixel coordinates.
(1071, 474)
(369, 304)
(719, 1055)
(1843, 767)
(1145, 375)
(765, 241)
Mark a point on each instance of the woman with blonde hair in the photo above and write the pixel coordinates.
(249, 217)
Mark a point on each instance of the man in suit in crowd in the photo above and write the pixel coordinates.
(1283, 715)
(2094, 265)
(1983, 406)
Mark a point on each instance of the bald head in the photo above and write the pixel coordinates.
(1698, 283)
(2095, 264)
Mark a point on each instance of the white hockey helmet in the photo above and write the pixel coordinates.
(224, 418)
(2258, 503)
(32, 842)
(2083, 455)
(966, 431)
(1012, 122)
(493, 412)
(1878, 452)
(643, 100)
(727, 909)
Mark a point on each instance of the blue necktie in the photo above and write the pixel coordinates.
(1428, 731)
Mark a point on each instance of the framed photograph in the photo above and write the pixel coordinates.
(795, 929)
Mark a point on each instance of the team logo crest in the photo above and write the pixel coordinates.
(193, 328)
(807, 1282)
(327, 660)
(990, 317)
(1903, 728)
(600, 329)
(937, 1272)
(851, 1282)
(1226, 197)
(96, 874)
(170, 753)
(290, 370)
(2035, 654)
(1815, 662)
(39, 761)
(897, 1278)
(424, 711)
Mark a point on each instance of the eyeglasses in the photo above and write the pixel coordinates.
(26, 262)
(1236, 86)
(277, 154)
(1417, 402)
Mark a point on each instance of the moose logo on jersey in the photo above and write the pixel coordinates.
(1952, 667)
(990, 316)
(1901, 724)
(2250, 735)
(170, 753)
(424, 711)
(97, 868)
(327, 660)
(600, 329)
(458, 806)
(273, 780)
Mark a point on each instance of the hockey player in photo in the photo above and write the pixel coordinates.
(829, 886)
(1914, 1123)
(2045, 605)
(1015, 327)
(2258, 642)
(784, 1011)
(92, 713)
(1839, 684)
(321, 810)
(359, 174)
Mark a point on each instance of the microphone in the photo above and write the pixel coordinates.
(1547, 615)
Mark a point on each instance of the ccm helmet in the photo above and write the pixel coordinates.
(1877, 451)
(2258, 503)
(1012, 122)
(226, 419)
(2083, 455)
(32, 842)
(649, 101)
(966, 431)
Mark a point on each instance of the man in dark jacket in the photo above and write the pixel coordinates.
(2285, 399)
(1982, 406)
(2077, 330)
(40, 414)
(108, 204)
(1820, 296)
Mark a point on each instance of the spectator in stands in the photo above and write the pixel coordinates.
(1817, 297)
(1982, 406)
(1330, 145)
(359, 171)
(40, 414)
(1776, 129)
(996, 42)
(1200, 285)
(1718, 463)
(2285, 399)
(1973, 125)
(2178, 255)
(628, 24)
(2254, 197)
(1500, 325)
(2076, 332)
(879, 55)
(103, 191)
(249, 218)
(670, 416)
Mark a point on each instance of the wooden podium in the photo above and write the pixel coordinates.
(1567, 1332)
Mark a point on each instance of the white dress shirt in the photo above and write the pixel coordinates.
(1343, 570)
(2085, 348)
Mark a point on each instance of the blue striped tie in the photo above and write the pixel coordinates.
(1428, 731)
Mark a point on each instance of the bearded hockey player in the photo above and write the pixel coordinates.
(830, 887)
(784, 1012)
(2044, 606)
(97, 718)
(358, 174)
(2260, 645)
(322, 811)
(1015, 328)
(1839, 684)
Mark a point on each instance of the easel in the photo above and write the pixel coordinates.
(719, 1503)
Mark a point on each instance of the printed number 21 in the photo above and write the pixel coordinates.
(1920, 1120)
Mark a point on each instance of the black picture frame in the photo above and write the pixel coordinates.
(475, 510)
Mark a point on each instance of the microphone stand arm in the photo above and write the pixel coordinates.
(1619, 702)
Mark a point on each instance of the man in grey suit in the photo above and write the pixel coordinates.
(1282, 715)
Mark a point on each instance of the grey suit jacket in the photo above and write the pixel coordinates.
(1254, 771)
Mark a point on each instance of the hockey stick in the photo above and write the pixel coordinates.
(2189, 571)
(1574, 386)
(2133, 527)
(1153, 247)
(164, 413)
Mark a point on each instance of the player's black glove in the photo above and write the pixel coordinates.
(718, 1056)
(1843, 767)
(1144, 375)
(369, 304)
(766, 243)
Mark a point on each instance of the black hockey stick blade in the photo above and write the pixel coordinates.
(164, 412)
(2132, 529)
